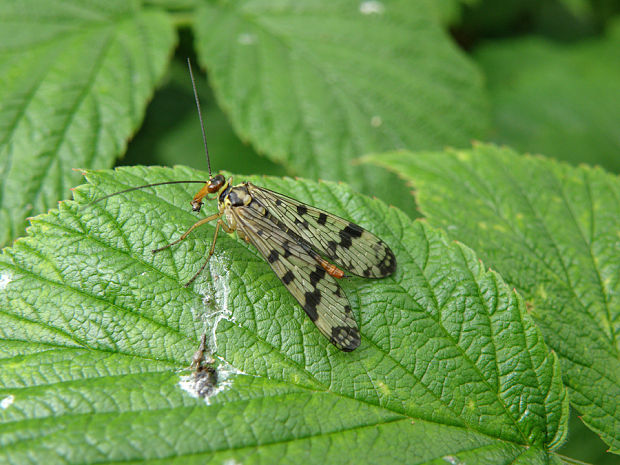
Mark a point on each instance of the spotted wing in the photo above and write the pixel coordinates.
(348, 245)
(316, 291)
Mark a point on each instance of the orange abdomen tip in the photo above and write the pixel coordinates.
(332, 270)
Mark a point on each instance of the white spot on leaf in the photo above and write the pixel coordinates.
(5, 279)
(231, 462)
(208, 300)
(383, 388)
(452, 460)
(7, 401)
(376, 121)
(215, 291)
(217, 295)
(371, 8)
(198, 385)
(246, 38)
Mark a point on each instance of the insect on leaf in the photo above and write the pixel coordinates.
(292, 237)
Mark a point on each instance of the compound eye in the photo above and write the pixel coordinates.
(216, 183)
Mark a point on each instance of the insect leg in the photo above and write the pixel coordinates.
(220, 224)
(194, 226)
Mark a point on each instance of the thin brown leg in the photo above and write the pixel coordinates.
(220, 224)
(184, 236)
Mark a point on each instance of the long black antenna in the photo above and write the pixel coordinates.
(202, 125)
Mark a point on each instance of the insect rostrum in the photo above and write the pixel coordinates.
(294, 238)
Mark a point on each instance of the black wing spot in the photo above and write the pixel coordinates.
(312, 301)
(388, 264)
(288, 277)
(332, 246)
(353, 230)
(278, 202)
(345, 338)
(301, 209)
(347, 309)
(316, 276)
(273, 256)
(322, 219)
(345, 238)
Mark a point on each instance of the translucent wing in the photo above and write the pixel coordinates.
(293, 262)
(346, 244)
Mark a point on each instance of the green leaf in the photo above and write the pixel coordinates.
(315, 84)
(553, 232)
(95, 329)
(557, 99)
(76, 77)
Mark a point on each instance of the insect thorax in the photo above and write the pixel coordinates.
(235, 196)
